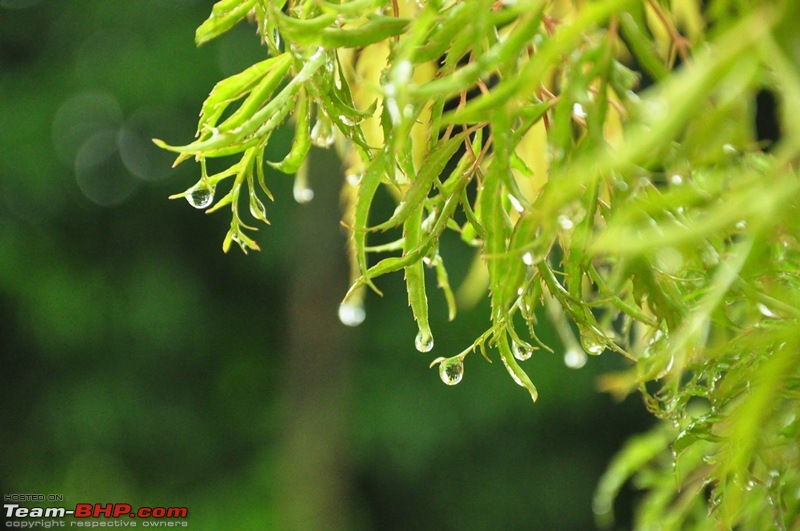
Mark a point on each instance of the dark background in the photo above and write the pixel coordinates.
(142, 365)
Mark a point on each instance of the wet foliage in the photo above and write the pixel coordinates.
(604, 162)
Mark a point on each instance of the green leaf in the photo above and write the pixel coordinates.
(224, 15)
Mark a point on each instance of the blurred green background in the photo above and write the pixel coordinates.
(142, 365)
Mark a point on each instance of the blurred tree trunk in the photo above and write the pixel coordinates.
(314, 471)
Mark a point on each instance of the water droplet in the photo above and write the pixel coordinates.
(522, 352)
(403, 71)
(578, 112)
(766, 311)
(257, 209)
(515, 203)
(354, 178)
(301, 190)
(451, 371)
(565, 223)
(591, 343)
(574, 358)
(424, 341)
(390, 103)
(200, 195)
(728, 149)
(676, 179)
(351, 313)
(322, 132)
(667, 369)
(741, 224)
(346, 120)
(527, 259)
(303, 195)
(276, 37)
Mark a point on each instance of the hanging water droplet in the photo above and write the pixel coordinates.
(522, 352)
(346, 120)
(303, 195)
(257, 209)
(424, 341)
(351, 313)
(451, 371)
(676, 179)
(591, 343)
(575, 358)
(200, 195)
(301, 190)
(322, 132)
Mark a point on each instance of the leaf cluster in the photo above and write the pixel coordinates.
(651, 222)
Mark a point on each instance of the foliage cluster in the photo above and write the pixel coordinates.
(603, 160)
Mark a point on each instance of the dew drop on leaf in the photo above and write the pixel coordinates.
(591, 343)
(257, 209)
(322, 132)
(200, 195)
(424, 341)
(451, 371)
(515, 203)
